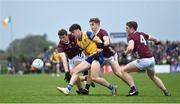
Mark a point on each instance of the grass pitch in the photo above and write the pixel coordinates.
(41, 88)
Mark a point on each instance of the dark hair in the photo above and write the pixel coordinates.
(74, 27)
(62, 32)
(96, 20)
(132, 24)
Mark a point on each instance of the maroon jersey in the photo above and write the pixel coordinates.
(71, 49)
(140, 44)
(108, 51)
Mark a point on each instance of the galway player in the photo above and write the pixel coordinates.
(137, 43)
(68, 48)
(87, 41)
(109, 53)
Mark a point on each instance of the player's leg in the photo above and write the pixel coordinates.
(95, 70)
(117, 70)
(79, 68)
(57, 69)
(87, 78)
(75, 73)
(89, 82)
(78, 81)
(158, 82)
(130, 67)
(126, 70)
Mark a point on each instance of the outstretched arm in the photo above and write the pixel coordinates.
(130, 47)
(154, 39)
(64, 60)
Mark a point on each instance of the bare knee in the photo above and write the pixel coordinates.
(124, 71)
(152, 77)
(73, 71)
(118, 73)
(151, 74)
(94, 78)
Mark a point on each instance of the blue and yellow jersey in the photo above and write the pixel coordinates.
(87, 44)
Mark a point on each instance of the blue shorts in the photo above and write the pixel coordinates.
(90, 59)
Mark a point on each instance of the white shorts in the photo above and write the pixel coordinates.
(112, 58)
(76, 59)
(144, 63)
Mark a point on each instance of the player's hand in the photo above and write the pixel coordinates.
(100, 45)
(67, 77)
(158, 43)
(123, 54)
(80, 51)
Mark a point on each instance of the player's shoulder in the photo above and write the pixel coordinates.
(144, 35)
(103, 31)
(60, 47)
(70, 36)
(60, 44)
(88, 33)
(137, 34)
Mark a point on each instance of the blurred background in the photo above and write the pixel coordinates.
(29, 29)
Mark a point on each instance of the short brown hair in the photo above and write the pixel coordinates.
(96, 20)
(132, 24)
(62, 32)
(74, 27)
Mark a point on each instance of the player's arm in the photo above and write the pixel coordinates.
(154, 39)
(106, 40)
(64, 60)
(96, 39)
(67, 76)
(99, 43)
(130, 47)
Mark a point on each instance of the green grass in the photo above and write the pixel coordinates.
(42, 89)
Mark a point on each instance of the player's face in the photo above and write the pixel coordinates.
(64, 38)
(94, 26)
(76, 33)
(128, 30)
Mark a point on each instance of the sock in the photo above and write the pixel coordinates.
(110, 86)
(87, 87)
(133, 87)
(165, 91)
(69, 87)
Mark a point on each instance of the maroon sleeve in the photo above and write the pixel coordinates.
(60, 48)
(130, 38)
(104, 33)
(146, 36)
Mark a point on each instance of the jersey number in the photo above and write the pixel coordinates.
(142, 40)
